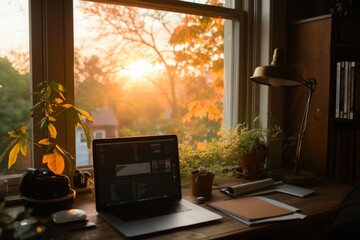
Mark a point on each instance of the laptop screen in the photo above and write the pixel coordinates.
(136, 170)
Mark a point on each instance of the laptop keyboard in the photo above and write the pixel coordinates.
(153, 212)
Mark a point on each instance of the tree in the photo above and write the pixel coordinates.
(14, 97)
(14, 105)
(189, 48)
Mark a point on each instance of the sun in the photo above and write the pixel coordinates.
(139, 70)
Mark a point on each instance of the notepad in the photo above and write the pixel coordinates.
(251, 208)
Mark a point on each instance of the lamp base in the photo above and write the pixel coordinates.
(288, 176)
(303, 178)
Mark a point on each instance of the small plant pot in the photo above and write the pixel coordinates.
(201, 183)
(252, 165)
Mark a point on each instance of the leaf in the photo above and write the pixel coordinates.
(87, 133)
(55, 161)
(51, 119)
(23, 146)
(77, 116)
(14, 134)
(17, 144)
(13, 154)
(58, 88)
(58, 100)
(67, 105)
(45, 142)
(19, 132)
(84, 114)
(52, 130)
(23, 129)
(69, 159)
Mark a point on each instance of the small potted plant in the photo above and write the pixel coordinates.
(253, 144)
(201, 183)
(205, 161)
(50, 105)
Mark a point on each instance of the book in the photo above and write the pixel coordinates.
(351, 89)
(256, 210)
(346, 90)
(337, 96)
(356, 97)
(342, 83)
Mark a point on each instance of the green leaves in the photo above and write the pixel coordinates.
(78, 116)
(50, 105)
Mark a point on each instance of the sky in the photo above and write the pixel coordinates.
(14, 25)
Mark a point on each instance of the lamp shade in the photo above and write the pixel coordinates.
(277, 74)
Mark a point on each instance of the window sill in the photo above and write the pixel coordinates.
(13, 199)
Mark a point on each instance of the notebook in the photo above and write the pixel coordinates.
(137, 185)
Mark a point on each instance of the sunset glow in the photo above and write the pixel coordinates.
(141, 70)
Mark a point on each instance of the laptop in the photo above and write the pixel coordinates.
(137, 185)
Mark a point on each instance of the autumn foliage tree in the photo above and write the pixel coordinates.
(190, 49)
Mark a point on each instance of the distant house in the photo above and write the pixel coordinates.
(105, 126)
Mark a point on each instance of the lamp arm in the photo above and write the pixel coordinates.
(311, 85)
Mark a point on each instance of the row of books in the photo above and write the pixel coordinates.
(347, 105)
(346, 157)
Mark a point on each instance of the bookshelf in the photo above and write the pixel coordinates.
(325, 48)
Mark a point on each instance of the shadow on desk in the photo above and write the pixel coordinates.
(346, 222)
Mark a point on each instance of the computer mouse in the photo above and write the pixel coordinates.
(201, 200)
(68, 215)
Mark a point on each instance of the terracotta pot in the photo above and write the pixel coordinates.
(252, 165)
(201, 183)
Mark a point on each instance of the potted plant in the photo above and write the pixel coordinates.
(253, 144)
(201, 183)
(49, 106)
(205, 161)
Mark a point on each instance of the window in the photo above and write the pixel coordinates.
(99, 134)
(14, 74)
(53, 49)
(154, 71)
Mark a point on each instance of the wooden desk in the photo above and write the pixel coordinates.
(318, 208)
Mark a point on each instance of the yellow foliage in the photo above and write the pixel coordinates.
(52, 130)
(55, 161)
(13, 154)
(44, 141)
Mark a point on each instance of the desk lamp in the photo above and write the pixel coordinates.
(277, 74)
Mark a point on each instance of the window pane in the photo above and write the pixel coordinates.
(14, 75)
(142, 71)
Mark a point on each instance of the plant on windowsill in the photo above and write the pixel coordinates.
(253, 146)
(50, 105)
(217, 156)
(241, 148)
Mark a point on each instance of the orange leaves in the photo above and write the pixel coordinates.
(55, 161)
(205, 108)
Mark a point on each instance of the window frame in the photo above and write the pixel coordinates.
(52, 54)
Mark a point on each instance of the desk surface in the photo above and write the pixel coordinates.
(317, 208)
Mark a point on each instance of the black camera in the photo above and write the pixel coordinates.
(43, 184)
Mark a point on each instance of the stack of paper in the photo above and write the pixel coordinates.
(256, 210)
